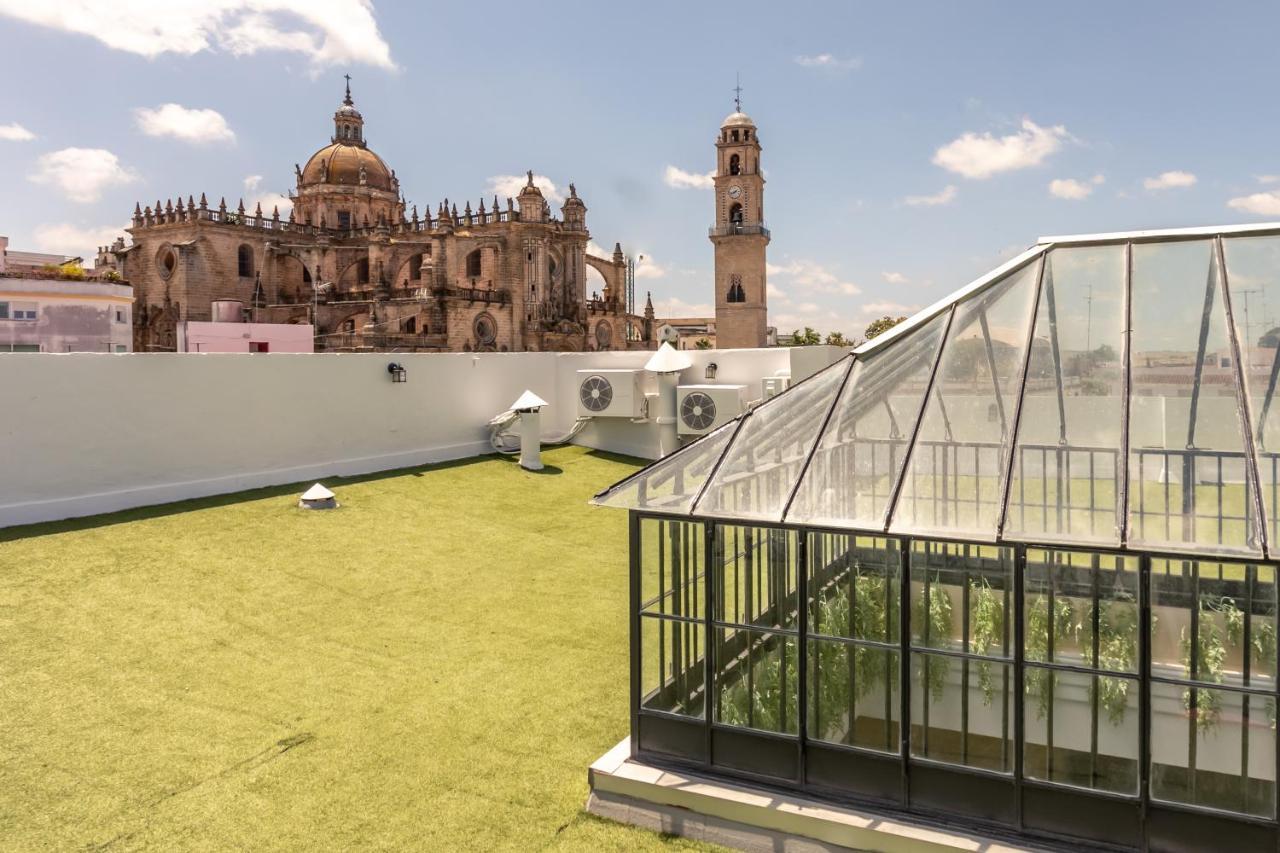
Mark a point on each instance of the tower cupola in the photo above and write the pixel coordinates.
(348, 124)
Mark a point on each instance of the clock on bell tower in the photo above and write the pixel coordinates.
(739, 235)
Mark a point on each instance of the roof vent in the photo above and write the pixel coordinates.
(318, 497)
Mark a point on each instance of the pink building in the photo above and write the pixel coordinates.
(227, 333)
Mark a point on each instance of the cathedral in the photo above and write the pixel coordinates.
(369, 274)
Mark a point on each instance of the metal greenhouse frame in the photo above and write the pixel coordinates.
(1012, 562)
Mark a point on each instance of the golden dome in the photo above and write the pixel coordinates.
(343, 162)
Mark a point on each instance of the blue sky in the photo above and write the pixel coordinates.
(908, 147)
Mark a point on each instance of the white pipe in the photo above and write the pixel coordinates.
(668, 437)
(531, 440)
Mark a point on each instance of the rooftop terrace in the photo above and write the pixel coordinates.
(433, 665)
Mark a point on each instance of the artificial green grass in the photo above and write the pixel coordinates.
(432, 666)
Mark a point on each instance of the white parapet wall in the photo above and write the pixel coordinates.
(86, 433)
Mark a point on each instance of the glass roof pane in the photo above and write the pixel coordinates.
(1253, 274)
(670, 484)
(952, 483)
(762, 466)
(1067, 462)
(1188, 487)
(860, 455)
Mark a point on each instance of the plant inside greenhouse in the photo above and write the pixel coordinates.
(1011, 562)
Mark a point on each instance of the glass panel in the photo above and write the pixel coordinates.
(671, 666)
(762, 466)
(1235, 621)
(860, 454)
(670, 484)
(953, 480)
(1067, 458)
(757, 673)
(1187, 483)
(1229, 764)
(757, 579)
(1081, 609)
(1074, 737)
(853, 586)
(955, 718)
(960, 598)
(672, 579)
(853, 695)
(1253, 275)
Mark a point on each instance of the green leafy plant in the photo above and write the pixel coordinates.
(986, 630)
(1117, 650)
(762, 706)
(1040, 681)
(936, 625)
(1211, 655)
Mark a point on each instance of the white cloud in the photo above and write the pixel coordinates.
(184, 123)
(15, 133)
(945, 196)
(594, 248)
(869, 311)
(509, 186)
(673, 307)
(894, 277)
(327, 32)
(251, 182)
(76, 240)
(1263, 204)
(774, 292)
(812, 276)
(983, 155)
(1269, 179)
(269, 202)
(81, 173)
(681, 180)
(1169, 180)
(647, 267)
(1071, 189)
(830, 62)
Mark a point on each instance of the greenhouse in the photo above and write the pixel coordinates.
(1011, 563)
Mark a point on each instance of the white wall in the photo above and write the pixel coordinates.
(84, 433)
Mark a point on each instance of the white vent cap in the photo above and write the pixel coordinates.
(317, 493)
(528, 400)
(668, 360)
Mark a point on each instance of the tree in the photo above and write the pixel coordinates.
(807, 338)
(837, 339)
(702, 343)
(884, 324)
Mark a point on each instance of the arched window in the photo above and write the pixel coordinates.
(735, 165)
(362, 271)
(736, 293)
(415, 268)
(746, 136)
(735, 215)
(734, 136)
(473, 264)
(306, 276)
(411, 326)
(245, 261)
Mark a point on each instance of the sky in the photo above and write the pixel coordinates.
(908, 147)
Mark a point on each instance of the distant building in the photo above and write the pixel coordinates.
(686, 332)
(351, 260)
(229, 331)
(19, 261)
(58, 311)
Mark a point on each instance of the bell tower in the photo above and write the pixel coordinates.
(739, 235)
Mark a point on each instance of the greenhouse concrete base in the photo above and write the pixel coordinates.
(734, 815)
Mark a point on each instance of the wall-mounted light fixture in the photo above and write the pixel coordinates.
(398, 373)
(710, 372)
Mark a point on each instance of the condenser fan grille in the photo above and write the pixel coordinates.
(596, 393)
(698, 411)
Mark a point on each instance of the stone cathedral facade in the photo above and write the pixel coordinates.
(371, 275)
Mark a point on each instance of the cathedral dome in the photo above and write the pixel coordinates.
(343, 163)
(738, 119)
